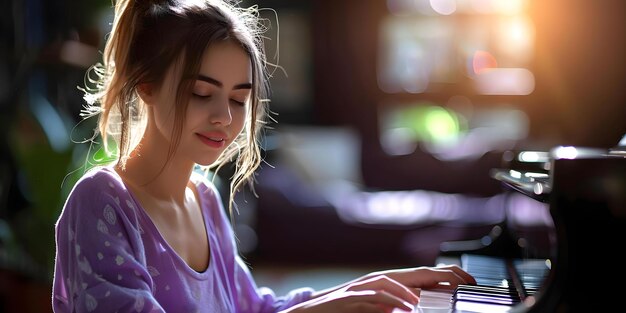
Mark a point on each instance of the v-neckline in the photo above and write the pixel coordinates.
(155, 230)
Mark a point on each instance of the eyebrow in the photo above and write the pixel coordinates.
(218, 83)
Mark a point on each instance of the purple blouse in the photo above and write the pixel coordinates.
(111, 258)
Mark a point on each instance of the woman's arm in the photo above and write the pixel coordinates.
(384, 291)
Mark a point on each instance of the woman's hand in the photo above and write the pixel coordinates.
(385, 291)
(440, 277)
(376, 294)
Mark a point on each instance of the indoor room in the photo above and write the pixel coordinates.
(396, 133)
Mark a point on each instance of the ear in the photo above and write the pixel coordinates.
(146, 92)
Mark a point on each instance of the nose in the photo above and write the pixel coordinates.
(220, 112)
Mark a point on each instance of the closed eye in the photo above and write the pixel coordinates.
(241, 103)
(199, 96)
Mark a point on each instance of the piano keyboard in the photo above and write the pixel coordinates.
(501, 284)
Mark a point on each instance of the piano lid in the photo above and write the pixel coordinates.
(530, 172)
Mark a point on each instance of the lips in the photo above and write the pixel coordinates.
(213, 139)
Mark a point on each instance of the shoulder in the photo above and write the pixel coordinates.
(97, 180)
(100, 187)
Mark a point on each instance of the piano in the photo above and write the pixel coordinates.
(569, 263)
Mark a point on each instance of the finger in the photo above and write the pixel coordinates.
(389, 285)
(444, 279)
(465, 276)
(469, 279)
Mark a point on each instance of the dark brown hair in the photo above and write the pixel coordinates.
(147, 37)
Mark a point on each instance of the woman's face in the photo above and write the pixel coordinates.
(217, 107)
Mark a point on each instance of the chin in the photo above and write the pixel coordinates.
(206, 162)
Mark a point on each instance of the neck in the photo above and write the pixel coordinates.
(149, 170)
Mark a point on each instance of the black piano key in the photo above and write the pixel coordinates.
(485, 299)
(495, 285)
(486, 289)
(496, 297)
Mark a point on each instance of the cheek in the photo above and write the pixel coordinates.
(164, 113)
(239, 119)
(164, 120)
(196, 117)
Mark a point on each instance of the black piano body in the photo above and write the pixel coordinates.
(584, 191)
(588, 205)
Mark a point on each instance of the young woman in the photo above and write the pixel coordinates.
(183, 84)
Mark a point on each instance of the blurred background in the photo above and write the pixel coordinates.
(390, 116)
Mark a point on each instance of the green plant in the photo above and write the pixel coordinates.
(47, 172)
